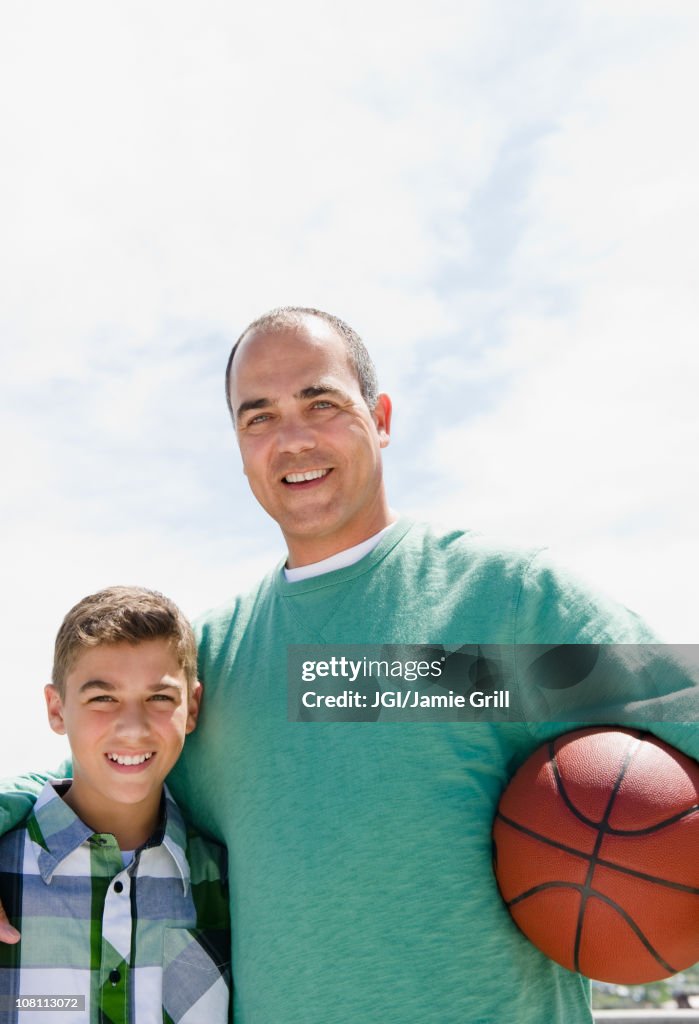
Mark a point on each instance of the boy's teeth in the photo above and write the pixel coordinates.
(297, 478)
(129, 759)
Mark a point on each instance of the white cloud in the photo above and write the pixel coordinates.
(501, 199)
(584, 422)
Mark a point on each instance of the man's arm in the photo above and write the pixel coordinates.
(631, 679)
(17, 797)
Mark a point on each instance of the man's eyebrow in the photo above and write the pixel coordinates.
(316, 390)
(96, 684)
(312, 391)
(253, 403)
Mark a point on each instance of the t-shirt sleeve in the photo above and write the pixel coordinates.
(18, 795)
(582, 658)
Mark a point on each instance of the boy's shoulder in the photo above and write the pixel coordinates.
(48, 817)
(11, 845)
(51, 824)
(13, 866)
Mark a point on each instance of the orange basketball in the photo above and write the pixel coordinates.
(596, 853)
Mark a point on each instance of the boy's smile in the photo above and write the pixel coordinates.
(130, 760)
(126, 712)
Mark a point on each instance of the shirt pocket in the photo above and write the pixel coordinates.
(196, 979)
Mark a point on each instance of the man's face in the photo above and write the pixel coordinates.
(126, 711)
(311, 448)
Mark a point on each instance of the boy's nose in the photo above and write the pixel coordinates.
(132, 722)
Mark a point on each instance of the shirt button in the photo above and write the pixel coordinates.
(118, 887)
(114, 977)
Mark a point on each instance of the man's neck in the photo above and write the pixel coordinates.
(340, 560)
(308, 551)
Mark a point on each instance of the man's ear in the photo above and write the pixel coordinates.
(54, 706)
(193, 705)
(382, 418)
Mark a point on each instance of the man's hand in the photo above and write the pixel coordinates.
(7, 932)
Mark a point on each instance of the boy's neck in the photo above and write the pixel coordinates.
(131, 824)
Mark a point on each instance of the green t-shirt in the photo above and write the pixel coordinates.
(360, 852)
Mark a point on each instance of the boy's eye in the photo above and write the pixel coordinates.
(162, 697)
(102, 698)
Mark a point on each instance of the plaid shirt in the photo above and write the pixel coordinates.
(145, 944)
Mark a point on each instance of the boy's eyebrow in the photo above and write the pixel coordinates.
(312, 391)
(100, 684)
(162, 685)
(96, 684)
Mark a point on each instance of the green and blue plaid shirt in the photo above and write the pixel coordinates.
(144, 944)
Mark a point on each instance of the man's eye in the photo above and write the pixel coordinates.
(163, 697)
(255, 420)
(322, 403)
(102, 698)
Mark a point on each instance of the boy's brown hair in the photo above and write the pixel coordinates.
(123, 614)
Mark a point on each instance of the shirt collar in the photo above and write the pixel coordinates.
(58, 831)
(175, 838)
(340, 560)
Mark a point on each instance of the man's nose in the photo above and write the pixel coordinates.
(295, 436)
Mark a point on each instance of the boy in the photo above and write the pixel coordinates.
(119, 906)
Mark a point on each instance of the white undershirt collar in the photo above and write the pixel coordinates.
(340, 560)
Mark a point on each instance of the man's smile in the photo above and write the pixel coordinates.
(306, 477)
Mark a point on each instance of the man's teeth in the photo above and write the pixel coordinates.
(313, 474)
(129, 759)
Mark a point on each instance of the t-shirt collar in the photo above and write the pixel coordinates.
(340, 560)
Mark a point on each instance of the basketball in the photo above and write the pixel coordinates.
(596, 854)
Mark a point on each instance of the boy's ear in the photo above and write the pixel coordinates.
(54, 706)
(193, 704)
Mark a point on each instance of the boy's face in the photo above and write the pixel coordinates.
(126, 713)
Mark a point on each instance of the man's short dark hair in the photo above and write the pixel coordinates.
(293, 316)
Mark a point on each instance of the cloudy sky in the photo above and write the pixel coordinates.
(501, 197)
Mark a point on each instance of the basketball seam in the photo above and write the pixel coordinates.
(596, 824)
(611, 829)
(603, 862)
(602, 826)
(595, 894)
(650, 829)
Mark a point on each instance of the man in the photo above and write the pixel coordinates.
(361, 882)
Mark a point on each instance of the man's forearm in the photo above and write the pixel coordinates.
(18, 795)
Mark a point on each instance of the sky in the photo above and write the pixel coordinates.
(501, 198)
